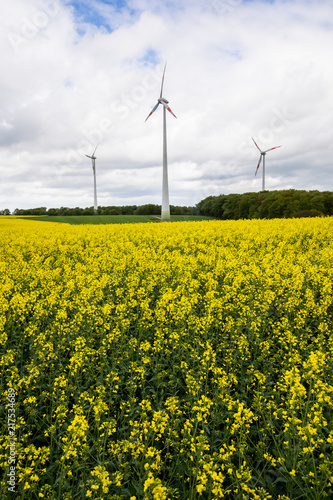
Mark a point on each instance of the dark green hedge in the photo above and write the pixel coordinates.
(268, 205)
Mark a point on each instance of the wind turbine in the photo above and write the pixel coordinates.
(93, 158)
(262, 156)
(165, 212)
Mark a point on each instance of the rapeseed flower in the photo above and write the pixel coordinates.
(152, 360)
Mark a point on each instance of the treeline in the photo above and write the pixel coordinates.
(262, 205)
(268, 205)
(149, 209)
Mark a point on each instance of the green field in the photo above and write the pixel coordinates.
(113, 219)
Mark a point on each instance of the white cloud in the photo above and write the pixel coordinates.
(73, 77)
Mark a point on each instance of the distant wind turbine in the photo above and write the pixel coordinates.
(93, 158)
(262, 156)
(165, 213)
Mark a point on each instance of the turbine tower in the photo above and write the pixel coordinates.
(93, 158)
(262, 157)
(165, 213)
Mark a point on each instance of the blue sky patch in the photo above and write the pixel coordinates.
(151, 57)
(100, 12)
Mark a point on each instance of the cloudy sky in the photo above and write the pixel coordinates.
(78, 73)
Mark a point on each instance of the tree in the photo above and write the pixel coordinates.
(148, 209)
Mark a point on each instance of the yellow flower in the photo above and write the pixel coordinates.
(200, 488)
(171, 347)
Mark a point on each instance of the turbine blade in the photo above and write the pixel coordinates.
(88, 156)
(169, 109)
(272, 149)
(162, 80)
(95, 150)
(256, 145)
(258, 165)
(152, 111)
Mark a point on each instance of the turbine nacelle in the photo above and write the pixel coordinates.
(93, 157)
(162, 100)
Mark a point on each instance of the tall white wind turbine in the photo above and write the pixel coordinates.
(262, 157)
(165, 213)
(93, 158)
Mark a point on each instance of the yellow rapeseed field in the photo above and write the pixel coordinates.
(189, 360)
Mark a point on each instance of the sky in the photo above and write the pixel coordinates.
(75, 74)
